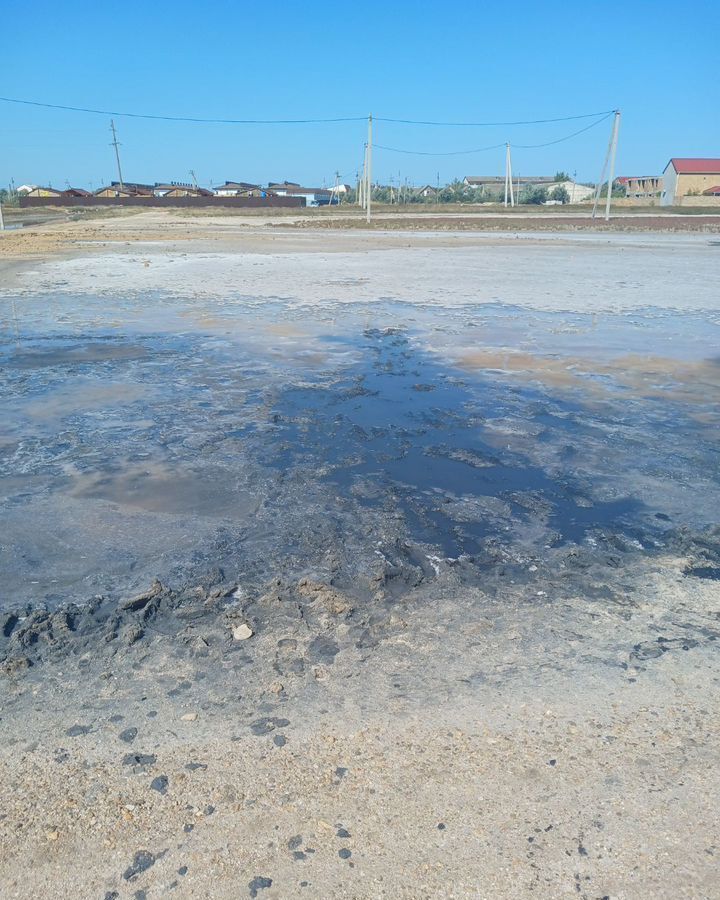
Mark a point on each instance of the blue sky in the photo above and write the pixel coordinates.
(450, 61)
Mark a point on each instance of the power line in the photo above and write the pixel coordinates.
(567, 137)
(450, 153)
(130, 115)
(493, 124)
(206, 121)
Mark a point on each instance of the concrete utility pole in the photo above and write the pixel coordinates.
(508, 176)
(115, 144)
(609, 158)
(613, 151)
(2, 221)
(368, 172)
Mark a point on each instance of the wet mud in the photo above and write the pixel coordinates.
(278, 449)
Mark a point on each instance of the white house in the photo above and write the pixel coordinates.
(313, 196)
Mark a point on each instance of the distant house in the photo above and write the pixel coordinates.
(128, 189)
(688, 177)
(426, 191)
(76, 192)
(313, 196)
(493, 186)
(40, 191)
(179, 189)
(240, 189)
(641, 186)
(25, 189)
(576, 192)
(714, 191)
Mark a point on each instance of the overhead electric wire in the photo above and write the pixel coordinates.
(201, 121)
(310, 121)
(495, 124)
(448, 153)
(567, 137)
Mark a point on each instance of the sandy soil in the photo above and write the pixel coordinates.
(546, 730)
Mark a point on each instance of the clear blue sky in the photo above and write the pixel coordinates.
(450, 60)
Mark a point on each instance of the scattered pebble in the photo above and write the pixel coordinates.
(279, 740)
(189, 717)
(343, 833)
(128, 735)
(242, 633)
(77, 730)
(142, 861)
(258, 884)
(344, 853)
(160, 784)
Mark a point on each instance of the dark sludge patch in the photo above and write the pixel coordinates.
(425, 456)
(712, 573)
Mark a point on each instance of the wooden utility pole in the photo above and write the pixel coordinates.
(115, 144)
(368, 172)
(611, 173)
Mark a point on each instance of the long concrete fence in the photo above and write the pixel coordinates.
(246, 202)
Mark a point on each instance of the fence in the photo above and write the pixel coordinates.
(248, 202)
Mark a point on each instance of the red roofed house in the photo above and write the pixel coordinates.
(688, 178)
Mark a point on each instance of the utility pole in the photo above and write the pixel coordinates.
(508, 176)
(2, 221)
(609, 158)
(192, 175)
(115, 144)
(368, 172)
(613, 151)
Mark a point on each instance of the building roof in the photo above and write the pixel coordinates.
(500, 179)
(296, 189)
(623, 179)
(691, 166)
(712, 192)
(238, 186)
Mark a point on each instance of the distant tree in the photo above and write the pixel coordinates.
(618, 190)
(562, 176)
(8, 198)
(560, 193)
(535, 195)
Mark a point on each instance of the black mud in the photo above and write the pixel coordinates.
(154, 481)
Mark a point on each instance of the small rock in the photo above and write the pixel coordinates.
(139, 759)
(343, 833)
(77, 730)
(160, 784)
(242, 633)
(128, 735)
(277, 687)
(189, 717)
(52, 835)
(142, 861)
(279, 740)
(344, 853)
(258, 884)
